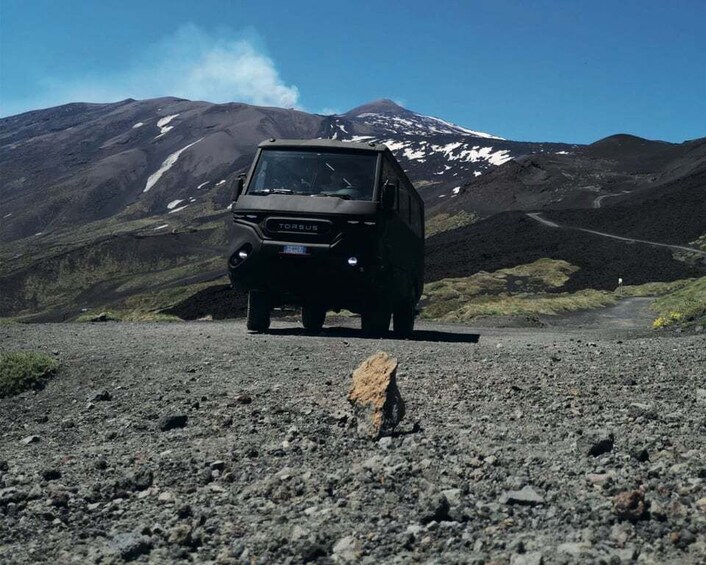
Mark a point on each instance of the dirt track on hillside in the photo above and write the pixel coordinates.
(537, 217)
(491, 463)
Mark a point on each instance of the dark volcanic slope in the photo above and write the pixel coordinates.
(78, 163)
(676, 213)
(510, 239)
(617, 168)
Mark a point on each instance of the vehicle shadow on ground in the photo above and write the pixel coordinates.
(353, 333)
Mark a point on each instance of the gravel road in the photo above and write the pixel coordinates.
(198, 442)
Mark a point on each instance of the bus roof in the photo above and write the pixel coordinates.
(322, 144)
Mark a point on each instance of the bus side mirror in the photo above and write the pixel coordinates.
(389, 195)
(238, 186)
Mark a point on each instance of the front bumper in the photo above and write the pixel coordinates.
(322, 276)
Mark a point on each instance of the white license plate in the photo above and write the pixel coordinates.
(294, 250)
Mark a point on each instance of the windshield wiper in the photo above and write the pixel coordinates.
(342, 196)
(267, 191)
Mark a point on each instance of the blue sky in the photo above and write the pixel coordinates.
(572, 71)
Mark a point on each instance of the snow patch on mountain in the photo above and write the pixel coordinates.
(174, 203)
(417, 124)
(165, 120)
(420, 151)
(166, 165)
(418, 154)
(474, 154)
(395, 145)
(178, 209)
(163, 125)
(465, 130)
(138, 125)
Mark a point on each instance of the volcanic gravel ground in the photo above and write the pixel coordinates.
(511, 239)
(199, 442)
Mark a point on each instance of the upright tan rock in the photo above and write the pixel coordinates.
(377, 402)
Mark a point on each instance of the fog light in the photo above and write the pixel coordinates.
(352, 261)
(243, 254)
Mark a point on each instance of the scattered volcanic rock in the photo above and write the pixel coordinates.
(102, 317)
(101, 396)
(531, 558)
(346, 550)
(131, 546)
(172, 422)
(51, 474)
(30, 439)
(181, 534)
(376, 400)
(641, 454)
(630, 505)
(142, 479)
(595, 442)
(435, 508)
(526, 496)
(682, 539)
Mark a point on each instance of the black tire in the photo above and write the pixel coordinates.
(403, 318)
(313, 318)
(375, 322)
(258, 311)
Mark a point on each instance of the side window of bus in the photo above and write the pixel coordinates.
(403, 204)
(406, 206)
(416, 211)
(389, 174)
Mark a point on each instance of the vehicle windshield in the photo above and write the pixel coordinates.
(309, 173)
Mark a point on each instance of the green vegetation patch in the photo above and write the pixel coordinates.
(517, 305)
(23, 370)
(700, 242)
(686, 304)
(446, 222)
(548, 272)
(692, 257)
(652, 288)
(520, 290)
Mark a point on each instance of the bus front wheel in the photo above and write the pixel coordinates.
(313, 318)
(258, 311)
(376, 321)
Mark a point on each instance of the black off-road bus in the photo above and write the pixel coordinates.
(328, 225)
